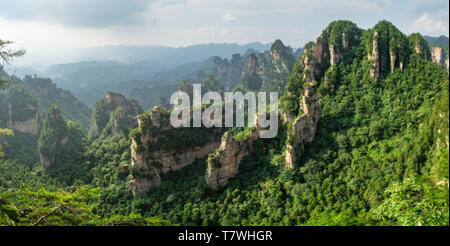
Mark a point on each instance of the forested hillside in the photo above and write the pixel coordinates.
(46, 93)
(363, 140)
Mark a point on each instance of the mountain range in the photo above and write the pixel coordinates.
(362, 139)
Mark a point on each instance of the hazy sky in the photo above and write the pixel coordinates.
(52, 27)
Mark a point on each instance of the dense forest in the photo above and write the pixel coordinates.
(379, 156)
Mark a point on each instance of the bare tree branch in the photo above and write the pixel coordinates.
(47, 215)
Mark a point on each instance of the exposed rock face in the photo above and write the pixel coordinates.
(345, 41)
(224, 163)
(303, 129)
(278, 67)
(329, 49)
(281, 57)
(19, 111)
(420, 46)
(47, 93)
(393, 58)
(208, 84)
(248, 72)
(253, 77)
(114, 115)
(335, 57)
(319, 62)
(438, 56)
(29, 126)
(389, 49)
(298, 53)
(268, 71)
(442, 141)
(48, 160)
(120, 122)
(157, 148)
(54, 137)
(255, 65)
(228, 72)
(374, 57)
(309, 65)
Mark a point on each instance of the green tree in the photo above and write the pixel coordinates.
(6, 56)
(413, 203)
(42, 207)
(4, 132)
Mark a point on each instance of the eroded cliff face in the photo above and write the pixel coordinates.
(278, 67)
(334, 44)
(388, 49)
(420, 46)
(114, 115)
(29, 126)
(50, 158)
(54, 137)
(229, 72)
(47, 93)
(223, 163)
(254, 74)
(157, 148)
(256, 64)
(319, 64)
(303, 129)
(438, 56)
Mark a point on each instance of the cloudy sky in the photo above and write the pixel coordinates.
(55, 26)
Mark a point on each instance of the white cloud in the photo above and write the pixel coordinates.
(229, 17)
(430, 25)
(92, 13)
(188, 22)
(255, 7)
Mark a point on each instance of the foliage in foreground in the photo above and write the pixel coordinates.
(61, 208)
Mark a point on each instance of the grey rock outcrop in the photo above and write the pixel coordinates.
(389, 50)
(228, 72)
(19, 111)
(439, 56)
(29, 126)
(114, 115)
(253, 76)
(53, 139)
(224, 163)
(374, 57)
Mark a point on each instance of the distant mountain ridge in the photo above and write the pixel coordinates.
(440, 41)
(123, 68)
(169, 56)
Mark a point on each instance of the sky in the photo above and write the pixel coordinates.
(51, 28)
